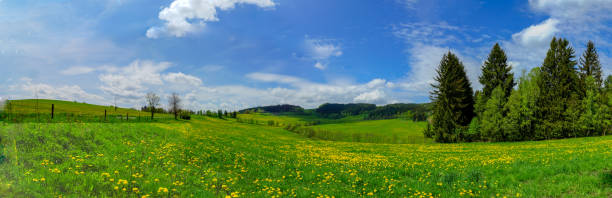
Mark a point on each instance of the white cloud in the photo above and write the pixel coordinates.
(321, 50)
(180, 15)
(574, 9)
(311, 94)
(27, 89)
(320, 65)
(133, 80)
(375, 96)
(182, 79)
(576, 20)
(537, 34)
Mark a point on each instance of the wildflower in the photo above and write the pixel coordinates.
(116, 187)
(135, 190)
(162, 189)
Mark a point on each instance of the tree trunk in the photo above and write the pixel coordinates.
(152, 112)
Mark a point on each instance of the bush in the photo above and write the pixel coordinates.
(185, 115)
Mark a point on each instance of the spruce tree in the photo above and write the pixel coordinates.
(453, 100)
(589, 64)
(496, 72)
(558, 84)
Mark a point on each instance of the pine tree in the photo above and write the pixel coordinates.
(493, 116)
(589, 64)
(496, 72)
(558, 83)
(453, 100)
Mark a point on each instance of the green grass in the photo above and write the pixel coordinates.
(374, 131)
(40, 110)
(348, 129)
(209, 157)
(215, 158)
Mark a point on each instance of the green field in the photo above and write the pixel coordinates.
(210, 157)
(394, 131)
(40, 110)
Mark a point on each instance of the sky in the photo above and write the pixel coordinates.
(233, 54)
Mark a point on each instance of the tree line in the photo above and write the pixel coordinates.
(562, 98)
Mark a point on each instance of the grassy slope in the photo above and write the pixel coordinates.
(29, 106)
(382, 131)
(352, 128)
(220, 157)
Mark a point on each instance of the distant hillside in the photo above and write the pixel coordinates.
(43, 106)
(284, 108)
(417, 112)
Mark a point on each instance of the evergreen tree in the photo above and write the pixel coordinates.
(589, 65)
(453, 100)
(496, 72)
(558, 84)
(493, 116)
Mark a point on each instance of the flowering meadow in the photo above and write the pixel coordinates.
(211, 157)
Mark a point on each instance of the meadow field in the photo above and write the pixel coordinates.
(210, 157)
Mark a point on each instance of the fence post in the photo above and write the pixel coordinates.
(127, 116)
(52, 110)
(104, 115)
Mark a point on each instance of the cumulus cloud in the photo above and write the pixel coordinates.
(133, 80)
(537, 34)
(574, 9)
(186, 16)
(321, 50)
(376, 96)
(311, 94)
(28, 89)
(182, 79)
(576, 20)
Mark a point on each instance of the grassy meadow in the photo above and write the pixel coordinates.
(211, 157)
(39, 110)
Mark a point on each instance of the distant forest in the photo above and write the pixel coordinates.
(415, 112)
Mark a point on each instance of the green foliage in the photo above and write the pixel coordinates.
(595, 116)
(391, 111)
(479, 104)
(332, 110)
(453, 101)
(496, 73)
(590, 66)
(493, 116)
(473, 132)
(558, 84)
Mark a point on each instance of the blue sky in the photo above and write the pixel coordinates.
(231, 54)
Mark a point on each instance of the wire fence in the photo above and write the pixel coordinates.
(18, 112)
